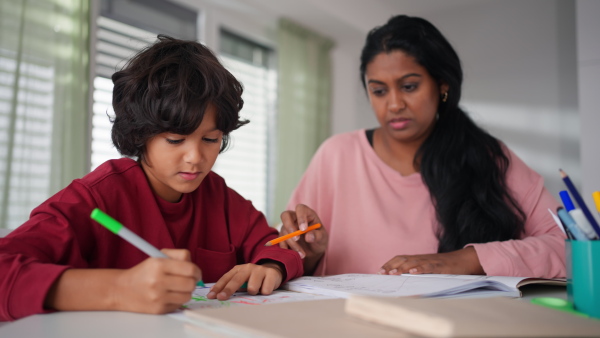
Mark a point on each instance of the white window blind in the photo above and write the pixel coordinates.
(25, 135)
(27, 92)
(246, 164)
(116, 43)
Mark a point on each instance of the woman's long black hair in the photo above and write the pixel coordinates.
(462, 165)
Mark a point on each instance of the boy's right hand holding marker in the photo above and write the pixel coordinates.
(156, 285)
(310, 246)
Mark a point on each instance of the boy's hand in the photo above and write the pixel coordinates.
(310, 246)
(157, 285)
(459, 262)
(262, 278)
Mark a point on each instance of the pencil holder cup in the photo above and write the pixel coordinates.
(583, 273)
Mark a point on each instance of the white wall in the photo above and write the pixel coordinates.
(520, 65)
(588, 50)
(519, 58)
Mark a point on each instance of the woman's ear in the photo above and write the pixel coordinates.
(444, 87)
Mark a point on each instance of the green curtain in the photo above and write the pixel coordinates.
(304, 101)
(44, 120)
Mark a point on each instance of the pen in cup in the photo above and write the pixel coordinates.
(571, 225)
(580, 202)
(577, 215)
(596, 196)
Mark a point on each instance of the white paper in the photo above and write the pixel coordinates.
(199, 300)
(428, 285)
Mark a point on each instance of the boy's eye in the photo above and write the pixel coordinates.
(211, 140)
(174, 141)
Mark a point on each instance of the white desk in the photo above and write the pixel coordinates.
(104, 324)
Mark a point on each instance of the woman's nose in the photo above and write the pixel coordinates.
(396, 102)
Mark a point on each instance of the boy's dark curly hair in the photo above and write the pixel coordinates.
(166, 87)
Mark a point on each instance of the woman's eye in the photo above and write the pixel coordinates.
(378, 91)
(211, 140)
(170, 141)
(410, 87)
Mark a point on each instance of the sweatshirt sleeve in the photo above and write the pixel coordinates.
(540, 252)
(257, 233)
(33, 256)
(317, 186)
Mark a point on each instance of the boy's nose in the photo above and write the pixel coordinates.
(193, 155)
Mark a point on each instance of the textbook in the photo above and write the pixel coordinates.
(426, 285)
(489, 317)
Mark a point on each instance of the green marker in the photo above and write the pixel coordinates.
(557, 304)
(119, 229)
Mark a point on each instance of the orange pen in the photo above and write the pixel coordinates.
(290, 235)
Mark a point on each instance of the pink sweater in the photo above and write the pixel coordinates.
(372, 213)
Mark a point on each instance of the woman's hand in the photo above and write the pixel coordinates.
(158, 285)
(262, 278)
(310, 246)
(460, 262)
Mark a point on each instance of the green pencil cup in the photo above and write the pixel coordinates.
(583, 275)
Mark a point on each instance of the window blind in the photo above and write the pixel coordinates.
(246, 164)
(116, 42)
(27, 92)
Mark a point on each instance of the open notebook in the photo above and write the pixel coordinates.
(428, 285)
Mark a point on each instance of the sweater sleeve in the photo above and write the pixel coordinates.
(257, 233)
(541, 250)
(316, 188)
(33, 256)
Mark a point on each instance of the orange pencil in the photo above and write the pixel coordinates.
(295, 233)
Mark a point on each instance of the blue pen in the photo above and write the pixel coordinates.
(577, 215)
(580, 201)
(560, 223)
(571, 225)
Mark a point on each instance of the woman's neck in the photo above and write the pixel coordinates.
(398, 155)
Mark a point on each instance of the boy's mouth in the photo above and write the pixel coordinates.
(188, 176)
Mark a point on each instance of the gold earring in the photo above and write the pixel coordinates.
(445, 97)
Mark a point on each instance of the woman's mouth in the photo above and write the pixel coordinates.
(399, 123)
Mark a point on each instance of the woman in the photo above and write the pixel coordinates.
(428, 191)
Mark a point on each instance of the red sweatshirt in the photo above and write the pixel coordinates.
(219, 227)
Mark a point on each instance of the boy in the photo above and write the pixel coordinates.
(175, 106)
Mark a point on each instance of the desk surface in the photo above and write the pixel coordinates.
(123, 324)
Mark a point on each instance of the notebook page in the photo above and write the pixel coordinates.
(394, 285)
(199, 300)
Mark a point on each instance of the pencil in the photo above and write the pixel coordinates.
(580, 201)
(293, 234)
(119, 229)
(596, 196)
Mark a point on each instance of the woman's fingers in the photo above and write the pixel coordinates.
(296, 247)
(305, 216)
(459, 262)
